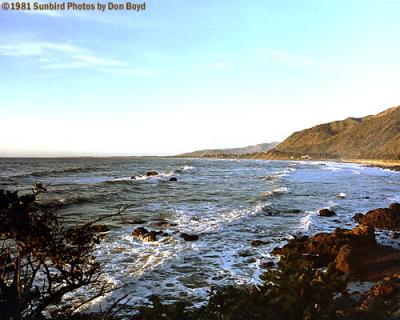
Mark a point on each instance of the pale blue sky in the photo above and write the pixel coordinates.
(186, 75)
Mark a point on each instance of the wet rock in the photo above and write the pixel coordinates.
(251, 260)
(133, 178)
(358, 217)
(140, 232)
(245, 253)
(173, 179)
(384, 218)
(145, 235)
(151, 173)
(150, 237)
(327, 213)
(189, 237)
(257, 243)
(266, 264)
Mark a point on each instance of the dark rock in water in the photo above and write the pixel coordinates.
(173, 179)
(327, 213)
(147, 236)
(102, 228)
(151, 173)
(358, 217)
(251, 260)
(294, 211)
(266, 264)
(133, 178)
(269, 211)
(140, 232)
(246, 253)
(150, 237)
(189, 237)
(384, 218)
(257, 243)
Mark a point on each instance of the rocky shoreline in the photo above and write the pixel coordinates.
(357, 254)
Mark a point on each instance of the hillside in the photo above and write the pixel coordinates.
(259, 148)
(371, 137)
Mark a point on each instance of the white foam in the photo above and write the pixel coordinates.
(306, 221)
(341, 195)
(187, 167)
(213, 221)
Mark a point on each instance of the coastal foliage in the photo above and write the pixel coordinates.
(41, 259)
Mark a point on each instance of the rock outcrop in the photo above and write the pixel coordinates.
(189, 237)
(147, 236)
(383, 218)
(327, 213)
(151, 173)
(352, 251)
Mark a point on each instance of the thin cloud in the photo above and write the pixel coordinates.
(65, 56)
(280, 56)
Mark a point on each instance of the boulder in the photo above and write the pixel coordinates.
(266, 264)
(257, 243)
(358, 217)
(384, 218)
(346, 260)
(189, 237)
(173, 179)
(151, 173)
(140, 232)
(145, 235)
(149, 237)
(327, 213)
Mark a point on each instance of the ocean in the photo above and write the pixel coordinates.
(227, 203)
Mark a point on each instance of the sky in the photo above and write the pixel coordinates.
(184, 75)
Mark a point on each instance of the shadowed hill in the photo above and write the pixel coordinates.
(371, 137)
(262, 147)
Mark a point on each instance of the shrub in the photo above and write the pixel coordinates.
(41, 259)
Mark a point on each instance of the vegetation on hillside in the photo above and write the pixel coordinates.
(371, 137)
